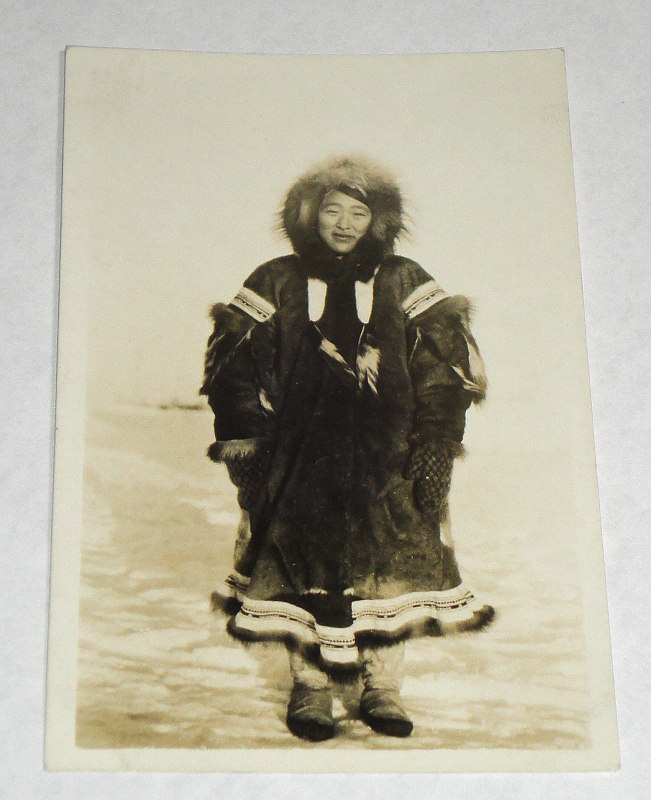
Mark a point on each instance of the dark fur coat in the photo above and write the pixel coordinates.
(333, 548)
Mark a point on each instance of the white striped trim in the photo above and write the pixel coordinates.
(233, 587)
(252, 304)
(337, 645)
(423, 297)
(451, 605)
(275, 616)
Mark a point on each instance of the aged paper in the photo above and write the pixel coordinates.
(175, 165)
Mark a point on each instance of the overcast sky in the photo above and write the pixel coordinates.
(175, 165)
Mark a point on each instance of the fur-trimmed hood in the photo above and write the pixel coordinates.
(370, 182)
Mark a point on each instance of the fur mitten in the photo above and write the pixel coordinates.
(248, 476)
(430, 468)
(246, 462)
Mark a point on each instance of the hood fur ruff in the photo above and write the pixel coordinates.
(368, 180)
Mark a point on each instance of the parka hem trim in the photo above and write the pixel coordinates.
(414, 614)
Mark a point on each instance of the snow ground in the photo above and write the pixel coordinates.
(157, 669)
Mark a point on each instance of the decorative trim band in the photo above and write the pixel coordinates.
(422, 298)
(233, 587)
(252, 304)
(452, 609)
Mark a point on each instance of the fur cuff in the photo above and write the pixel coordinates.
(450, 447)
(227, 319)
(447, 311)
(236, 449)
(456, 305)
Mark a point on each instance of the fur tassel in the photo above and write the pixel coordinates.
(265, 402)
(477, 369)
(331, 351)
(368, 367)
(234, 449)
(336, 361)
(457, 310)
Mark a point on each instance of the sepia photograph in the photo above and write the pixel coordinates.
(325, 494)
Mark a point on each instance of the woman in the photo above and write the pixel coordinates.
(339, 377)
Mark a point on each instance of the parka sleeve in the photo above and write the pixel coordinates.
(230, 382)
(446, 368)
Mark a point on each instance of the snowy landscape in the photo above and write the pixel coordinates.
(157, 668)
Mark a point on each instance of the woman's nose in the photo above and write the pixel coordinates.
(344, 222)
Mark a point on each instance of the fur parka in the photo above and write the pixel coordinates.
(332, 549)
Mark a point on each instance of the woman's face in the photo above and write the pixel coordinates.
(343, 221)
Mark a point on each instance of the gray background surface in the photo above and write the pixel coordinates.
(607, 52)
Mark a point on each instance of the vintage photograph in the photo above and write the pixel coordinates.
(324, 471)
